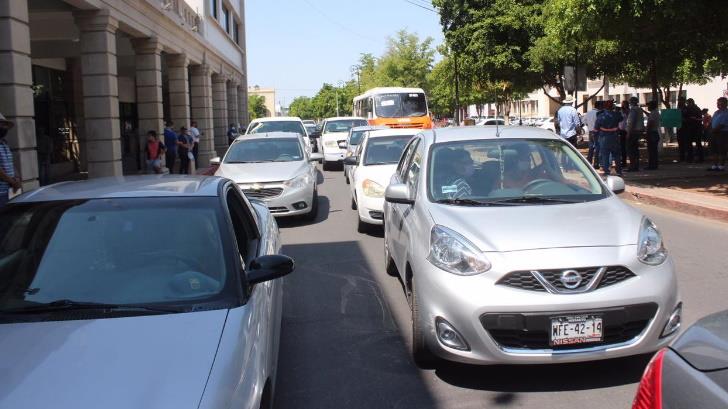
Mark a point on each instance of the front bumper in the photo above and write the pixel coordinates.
(291, 201)
(467, 302)
(371, 209)
(334, 155)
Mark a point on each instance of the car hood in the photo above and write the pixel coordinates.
(160, 361)
(381, 174)
(261, 172)
(705, 344)
(602, 223)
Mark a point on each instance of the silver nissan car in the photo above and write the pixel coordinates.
(512, 250)
(139, 292)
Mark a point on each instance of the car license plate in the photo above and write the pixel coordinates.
(578, 329)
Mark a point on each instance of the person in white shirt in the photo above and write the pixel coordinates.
(195, 133)
(590, 120)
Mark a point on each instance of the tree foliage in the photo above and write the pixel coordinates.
(256, 107)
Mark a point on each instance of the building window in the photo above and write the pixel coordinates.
(213, 6)
(226, 19)
(236, 33)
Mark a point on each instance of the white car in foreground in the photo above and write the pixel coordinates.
(275, 168)
(333, 136)
(372, 166)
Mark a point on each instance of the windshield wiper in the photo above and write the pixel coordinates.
(464, 202)
(250, 161)
(70, 305)
(535, 199)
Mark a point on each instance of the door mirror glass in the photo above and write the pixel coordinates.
(398, 193)
(215, 161)
(615, 184)
(351, 161)
(270, 267)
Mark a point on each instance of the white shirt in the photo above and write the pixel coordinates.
(590, 119)
(195, 134)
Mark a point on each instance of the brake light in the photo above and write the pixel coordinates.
(649, 393)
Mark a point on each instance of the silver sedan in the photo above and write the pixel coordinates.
(513, 250)
(141, 292)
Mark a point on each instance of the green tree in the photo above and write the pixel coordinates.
(302, 107)
(407, 61)
(256, 107)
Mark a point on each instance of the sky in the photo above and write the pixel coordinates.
(297, 45)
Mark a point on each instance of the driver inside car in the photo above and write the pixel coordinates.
(517, 168)
(458, 178)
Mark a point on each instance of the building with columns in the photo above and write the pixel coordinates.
(84, 80)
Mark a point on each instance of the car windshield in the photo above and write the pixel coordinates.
(128, 251)
(385, 150)
(400, 105)
(264, 150)
(311, 129)
(343, 125)
(356, 136)
(277, 126)
(510, 169)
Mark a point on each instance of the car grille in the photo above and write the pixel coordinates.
(275, 210)
(531, 330)
(591, 279)
(265, 193)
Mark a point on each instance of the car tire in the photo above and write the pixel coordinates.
(362, 227)
(311, 216)
(421, 355)
(346, 177)
(353, 204)
(389, 265)
(326, 166)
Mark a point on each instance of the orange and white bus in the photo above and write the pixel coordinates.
(394, 108)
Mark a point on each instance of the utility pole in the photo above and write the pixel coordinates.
(457, 88)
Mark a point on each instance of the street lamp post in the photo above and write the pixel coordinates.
(340, 85)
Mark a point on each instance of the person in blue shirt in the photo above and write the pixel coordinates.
(567, 121)
(719, 130)
(608, 127)
(170, 141)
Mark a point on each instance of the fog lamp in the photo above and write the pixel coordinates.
(673, 323)
(449, 336)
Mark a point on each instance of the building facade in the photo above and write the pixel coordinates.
(84, 80)
(269, 98)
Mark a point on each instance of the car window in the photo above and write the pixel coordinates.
(118, 251)
(277, 126)
(244, 234)
(385, 150)
(404, 159)
(343, 125)
(510, 168)
(264, 150)
(355, 138)
(412, 176)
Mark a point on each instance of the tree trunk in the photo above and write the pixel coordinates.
(653, 80)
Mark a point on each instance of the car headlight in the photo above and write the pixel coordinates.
(299, 182)
(332, 144)
(650, 248)
(455, 254)
(372, 188)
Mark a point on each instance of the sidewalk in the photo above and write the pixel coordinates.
(684, 187)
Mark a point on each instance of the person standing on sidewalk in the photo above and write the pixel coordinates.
(195, 133)
(590, 120)
(692, 123)
(184, 143)
(719, 130)
(685, 148)
(567, 121)
(624, 110)
(635, 132)
(154, 152)
(608, 127)
(232, 133)
(707, 119)
(8, 174)
(170, 141)
(653, 135)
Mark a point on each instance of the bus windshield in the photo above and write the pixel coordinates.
(400, 105)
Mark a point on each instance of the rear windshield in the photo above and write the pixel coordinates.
(385, 150)
(343, 125)
(277, 126)
(356, 137)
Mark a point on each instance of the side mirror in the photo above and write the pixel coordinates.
(343, 145)
(316, 157)
(615, 184)
(351, 161)
(270, 267)
(398, 193)
(215, 161)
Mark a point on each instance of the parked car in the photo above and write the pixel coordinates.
(481, 228)
(154, 291)
(356, 135)
(275, 168)
(491, 122)
(692, 372)
(372, 165)
(334, 133)
(280, 124)
(547, 124)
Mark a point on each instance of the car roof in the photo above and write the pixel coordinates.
(463, 133)
(278, 119)
(393, 132)
(266, 135)
(143, 186)
(368, 128)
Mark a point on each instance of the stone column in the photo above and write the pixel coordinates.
(179, 97)
(149, 86)
(201, 102)
(100, 92)
(232, 101)
(16, 95)
(242, 107)
(220, 112)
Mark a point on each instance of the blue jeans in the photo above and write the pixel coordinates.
(610, 149)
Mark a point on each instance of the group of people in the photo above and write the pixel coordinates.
(615, 133)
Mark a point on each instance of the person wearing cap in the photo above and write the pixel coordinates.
(608, 127)
(8, 173)
(635, 128)
(567, 121)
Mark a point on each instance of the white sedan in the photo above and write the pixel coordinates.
(371, 169)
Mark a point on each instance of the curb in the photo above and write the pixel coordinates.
(694, 209)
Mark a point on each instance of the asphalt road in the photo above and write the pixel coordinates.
(346, 325)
